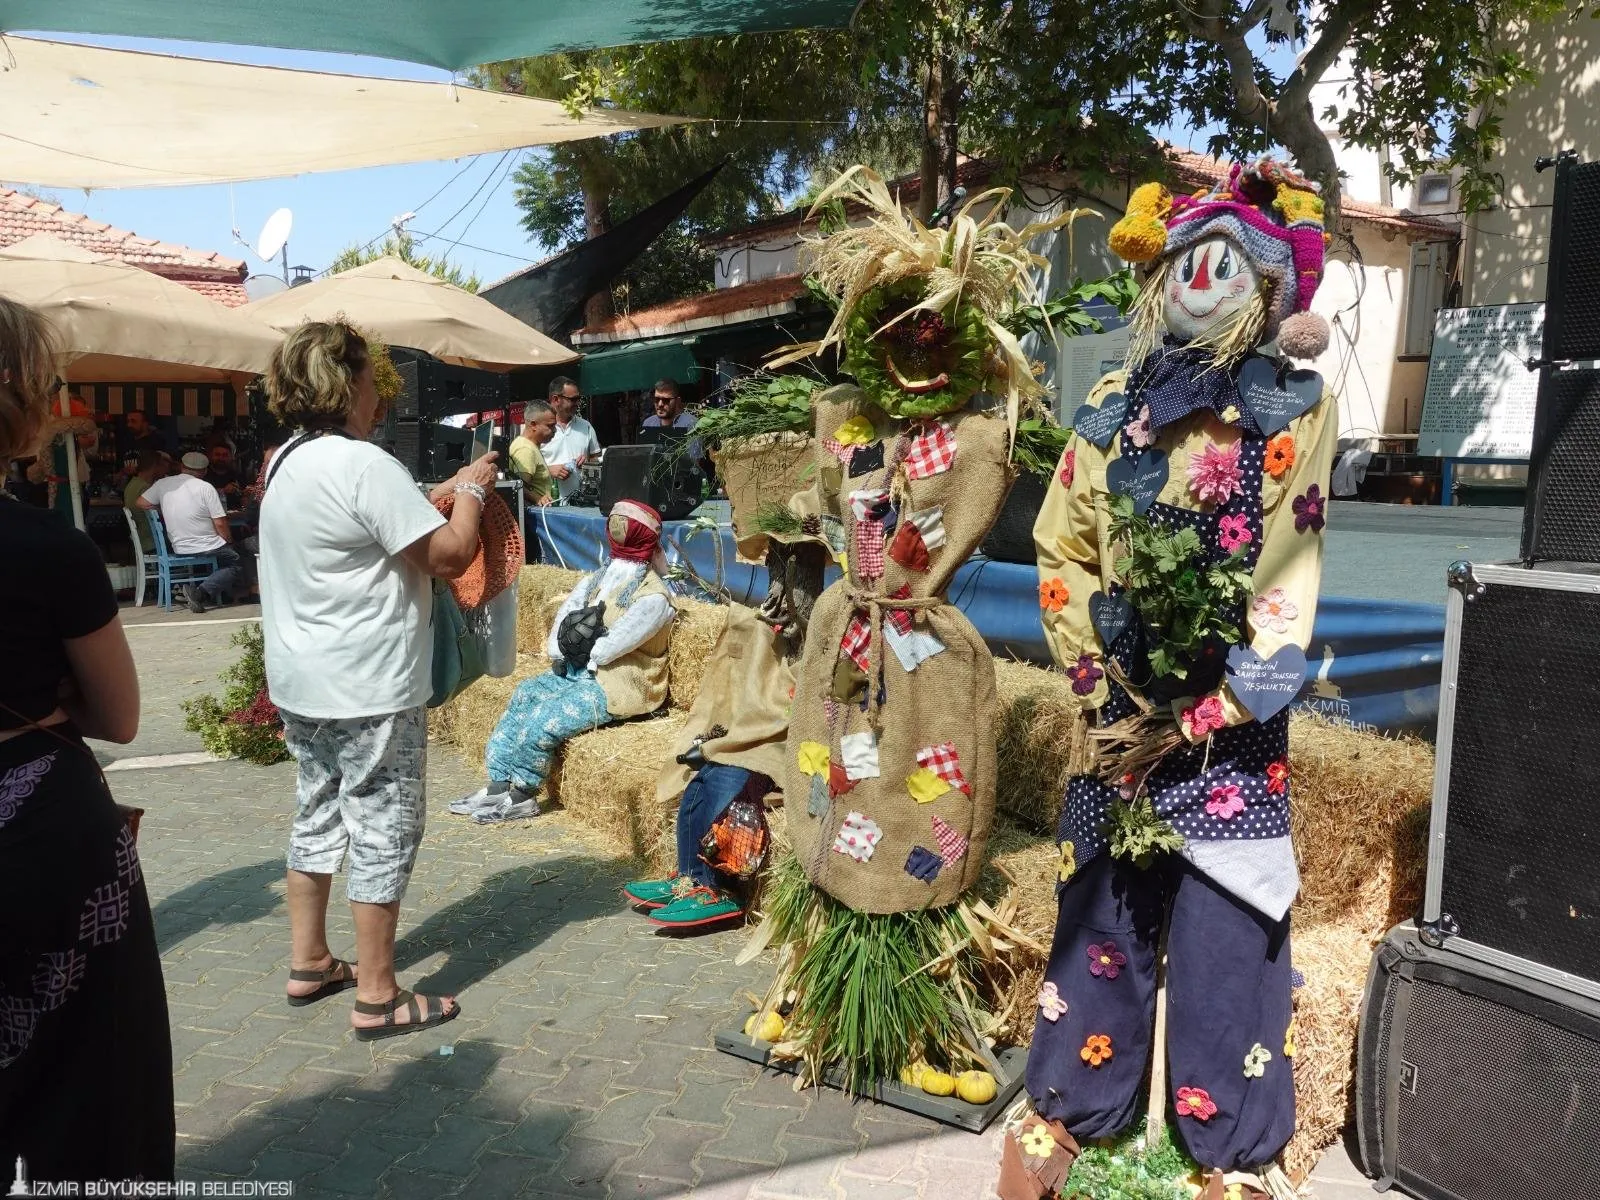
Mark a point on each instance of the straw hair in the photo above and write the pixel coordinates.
(1228, 340)
(312, 378)
(27, 376)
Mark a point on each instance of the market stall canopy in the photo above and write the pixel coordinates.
(455, 36)
(117, 322)
(408, 307)
(87, 117)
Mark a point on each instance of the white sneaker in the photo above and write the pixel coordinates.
(477, 802)
(509, 808)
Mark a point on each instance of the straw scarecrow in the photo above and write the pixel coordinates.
(1179, 553)
(889, 771)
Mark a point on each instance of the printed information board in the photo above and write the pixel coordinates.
(1480, 396)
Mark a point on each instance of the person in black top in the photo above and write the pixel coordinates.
(85, 1051)
(143, 437)
(224, 476)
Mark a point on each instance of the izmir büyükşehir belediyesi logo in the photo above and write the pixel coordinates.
(19, 1185)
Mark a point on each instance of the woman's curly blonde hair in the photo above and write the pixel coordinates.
(312, 378)
(27, 377)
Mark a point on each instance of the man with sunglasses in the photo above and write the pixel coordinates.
(574, 441)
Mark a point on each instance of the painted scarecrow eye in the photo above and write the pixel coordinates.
(1186, 268)
(1226, 267)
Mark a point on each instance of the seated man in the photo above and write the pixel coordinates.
(223, 475)
(196, 523)
(608, 661)
(153, 465)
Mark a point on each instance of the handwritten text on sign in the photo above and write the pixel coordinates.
(1480, 396)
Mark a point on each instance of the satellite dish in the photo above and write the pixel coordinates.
(274, 234)
(259, 287)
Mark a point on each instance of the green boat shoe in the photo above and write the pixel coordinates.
(702, 906)
(651, 893)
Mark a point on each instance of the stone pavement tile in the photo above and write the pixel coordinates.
(1337, 1165)
(754, 1135)
(808, 1170)
(501, 1176)
(583, 1167)
(1325, 1190)
(583, 1012)
(403, 1183)
(881, 1122)
(657, 1068)
(831, 1117)
(338, 1124)
(892, 1162)
(419, 1111)
(538, 1134)
(775, 1089)
(738, 1178)
(454, 1150)
(673, 1148)
(274, 1068)
(252, 1039)
(198, 1075)
(585, 1081)
(624, 1117)
(205, 1122)
(703, 1101)
(356, 1171)
(235, 1153)
(855, 1187)
(626, 1039)
(284, 1161)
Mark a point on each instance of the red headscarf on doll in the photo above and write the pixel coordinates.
(634, 531)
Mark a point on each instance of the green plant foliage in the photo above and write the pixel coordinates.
(1137, 834)
(762, 403)
(775, 518)
(1128, 1171)
(1183, 603)
(1039, 445)
(404, 247)
(244, 723)
(1067, 312)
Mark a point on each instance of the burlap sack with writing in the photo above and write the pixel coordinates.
(949, 697)
(757, 472)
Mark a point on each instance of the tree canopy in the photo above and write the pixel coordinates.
(403, 247)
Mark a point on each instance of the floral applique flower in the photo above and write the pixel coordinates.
(1069, 861)
(1278, 777)
(1233, 532)
(1084, 675)
(1225, 801)
(1203, 718)
(1051, 1006)
(1280, 455)
(1053, 595)
(1105, 960)
(1310, 511)
(1069, 468)
(1096, 1050)
(1289, 1035)
(1214, 473)
(1037, 1141)
(1195, 1102)
(1255, 1062)
(1137, 430)
(1273, 610)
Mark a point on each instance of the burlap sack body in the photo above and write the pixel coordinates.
(746, 689)
(757, 472)
(949, 697)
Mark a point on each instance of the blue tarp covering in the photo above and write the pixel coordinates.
(1376, 663)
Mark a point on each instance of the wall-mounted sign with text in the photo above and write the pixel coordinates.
(1480, 397)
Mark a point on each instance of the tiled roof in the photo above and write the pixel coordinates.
(1190, 168)
(724, 306)
(210, 273)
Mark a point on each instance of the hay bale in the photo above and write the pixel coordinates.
(694, 635)
(1038, 716)
(607, 780)
(540, 591)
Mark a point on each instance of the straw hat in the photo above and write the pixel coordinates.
(499, 557)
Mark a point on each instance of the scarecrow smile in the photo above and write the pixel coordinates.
(917, 387)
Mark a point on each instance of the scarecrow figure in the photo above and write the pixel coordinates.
(1179, 553)
(608, 661)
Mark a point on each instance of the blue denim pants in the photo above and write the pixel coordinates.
(707, 797)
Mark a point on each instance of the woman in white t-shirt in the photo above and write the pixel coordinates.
(348, 544)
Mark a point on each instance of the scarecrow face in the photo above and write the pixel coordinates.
(1207, 284)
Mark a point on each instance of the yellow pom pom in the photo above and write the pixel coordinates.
(1298, 204)
(1150, 200)
(1138, 238)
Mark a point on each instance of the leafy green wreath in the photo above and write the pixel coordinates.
(965, 354)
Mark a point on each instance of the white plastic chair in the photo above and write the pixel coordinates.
(145, 569)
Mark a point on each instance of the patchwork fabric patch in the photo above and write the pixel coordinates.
(838, 449)
(858, 837)
(931, 451)
(857, 431)
(923, 864)
(817, 803)
(859, 751)
(869, 505)
(951, 844)
(857, 638)
(925, 787)
(813, 758)
(839, 782)
(866, 459)
(909, 549)
(911, 649)
(849, 681)
(944, 762)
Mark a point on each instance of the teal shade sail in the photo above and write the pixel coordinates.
(638, 366)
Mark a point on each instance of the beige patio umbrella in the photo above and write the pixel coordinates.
(116, 322)
(408, 307)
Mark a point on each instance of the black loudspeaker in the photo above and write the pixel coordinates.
(430, 451)
(1514, 854)
(1473, 1081)
(432, 389)
(1011, 537)
(651, 475)
(1559, 522)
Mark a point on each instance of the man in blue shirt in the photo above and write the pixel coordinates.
(669, 414)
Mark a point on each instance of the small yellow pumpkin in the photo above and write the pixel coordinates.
(911, 1074)
(937, 1083)
(976, 1087)
(768, 1028)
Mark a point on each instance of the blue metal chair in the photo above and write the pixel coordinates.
(176, 568)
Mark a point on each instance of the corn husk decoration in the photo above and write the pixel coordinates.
(920, 311)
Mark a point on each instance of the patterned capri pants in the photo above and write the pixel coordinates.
(360, 788)
(543, 714)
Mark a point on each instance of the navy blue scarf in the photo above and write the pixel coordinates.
(1176, 380)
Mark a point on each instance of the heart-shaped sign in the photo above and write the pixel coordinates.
(1111, 616)
(1266, 686)
(1141, 477)
(1275, 397)
(1100, 425)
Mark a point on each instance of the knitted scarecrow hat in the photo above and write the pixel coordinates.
(1272, 212)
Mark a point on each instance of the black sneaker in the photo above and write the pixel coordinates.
(196, 601)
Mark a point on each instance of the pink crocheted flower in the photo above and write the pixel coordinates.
(1204, 718)
(1137, 430)
(1233, 531)
(1273, 610)
(1214, 473)
(1069, 466)
(1106, 960)
(1051, 1006)
(1196, 1103)
(1225, 801)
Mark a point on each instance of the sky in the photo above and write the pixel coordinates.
(332, 210)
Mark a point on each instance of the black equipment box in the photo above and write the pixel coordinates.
(433, 389)
(657, 475)
(1474, 1081)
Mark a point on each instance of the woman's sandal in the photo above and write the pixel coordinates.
(437, 1015)
(335, 977)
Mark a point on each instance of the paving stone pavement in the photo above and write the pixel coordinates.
(582, 1064)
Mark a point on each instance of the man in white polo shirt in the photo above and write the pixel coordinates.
(196, 523)
(574, 441)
